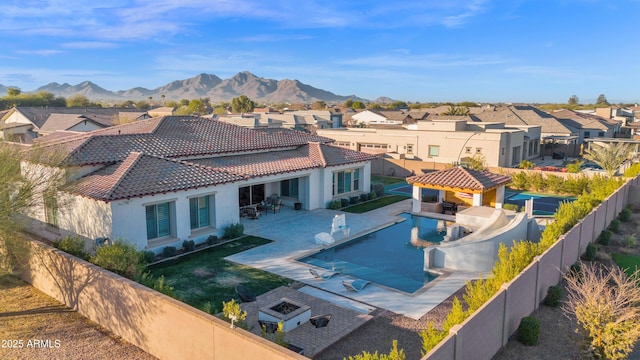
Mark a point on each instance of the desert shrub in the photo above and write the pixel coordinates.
(212, 239)
(592, 251)
(554, 295)
(615, 226)
(158, 284)
(554, 183)
(575, 167)
(121, 257)
(354, 200)
(232, 313)
(625, 215)
(364, 197)
(526, 164)
(378, 189)
(73, 245)
(630, 241)
(519, 181)
(575, 270)
(633, 170)
(344, 202)
(188, 245)
(537, 182)
(576, 185)
(147, 257)
(169, 251)
(372, 195)
(529, 331)
(334, 205)
(513, 207)
(233, 231)
(431, 337)
(605, 237)
(394, 354)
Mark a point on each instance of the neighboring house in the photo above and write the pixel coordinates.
(445, 141)
(23, 124)
(161, 111)
(161, 181)
(306, 120)
(375, 117)
(587, 125)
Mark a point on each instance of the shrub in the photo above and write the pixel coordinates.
(354, 200)
(575, 270)
(526, 164)
(233, 231)
(625, 215)
(592, 251)
(232, 312)
(605, 237)
(394, 354)
(520, 181)
(169, 251)
(630, 241)
(147, 256)
(378, 189)
(334, 205)
(633, 170)
(121, 257)
(513, 207)
(188, 245)
(554, 295)
(158, 284)
(537, 182)
(212, 239)
(344, 202)
(529, 331)
(554, 183)
(372, 195)
(575, 167)
(615, 226)
(73, 245)
(364, 197)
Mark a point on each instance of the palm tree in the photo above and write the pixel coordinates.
(609, 156)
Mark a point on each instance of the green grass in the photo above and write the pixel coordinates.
(205, 276)
(386, 180)
(374, 204)
(627, 262)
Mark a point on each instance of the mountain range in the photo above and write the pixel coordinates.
(258, 89)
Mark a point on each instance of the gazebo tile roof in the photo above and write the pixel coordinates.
(462, 178)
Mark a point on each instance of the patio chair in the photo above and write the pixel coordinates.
(355, 285)
(324, 275)
(320, 321)
(245, 294)
(252, 212)
(269, 326)
(276, 206)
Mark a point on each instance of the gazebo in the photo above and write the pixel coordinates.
(460, 185)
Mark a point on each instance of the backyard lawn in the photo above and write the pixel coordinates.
(204, 279)
(374, 204)
(628, 262)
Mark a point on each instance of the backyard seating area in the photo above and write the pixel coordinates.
(271, 204)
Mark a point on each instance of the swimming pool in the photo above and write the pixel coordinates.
(388, 256)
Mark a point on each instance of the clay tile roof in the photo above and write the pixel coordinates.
(463, 178)
(140, 175)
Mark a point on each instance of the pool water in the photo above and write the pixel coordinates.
(388, 256)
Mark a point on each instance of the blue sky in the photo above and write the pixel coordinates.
(453, 50)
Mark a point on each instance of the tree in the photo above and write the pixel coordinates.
(602, 100)
(374, 106)
(13, 91)
(574, 100)
(357, 105)
(141, 105)
(348, 103)
(79, 100)
(608, 156)
(318, 105)
(242, 104)
(605, 303)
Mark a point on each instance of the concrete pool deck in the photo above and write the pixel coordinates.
(293, 234)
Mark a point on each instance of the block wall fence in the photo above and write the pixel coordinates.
(169, 329)
(485, 332)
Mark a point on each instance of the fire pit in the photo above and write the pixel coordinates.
(291, 313)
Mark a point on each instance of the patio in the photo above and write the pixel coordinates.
(293, 234)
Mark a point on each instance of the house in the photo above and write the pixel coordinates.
(160, 181)
(375, 117)
(587, 125)
(445, 141)
(24, 123)
(161, 111)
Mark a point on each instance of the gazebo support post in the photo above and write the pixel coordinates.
(499, 197)
(416, 202)
(477, 199)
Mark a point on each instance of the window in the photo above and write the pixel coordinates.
(478, 150)
(409, 148)
(199, 212)
(502, 151)
(289, 188)
(51, 209)
(601, 134)
(346, 181)
(158, 220)
(587, 134)
(434, 150)
(467, 150)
